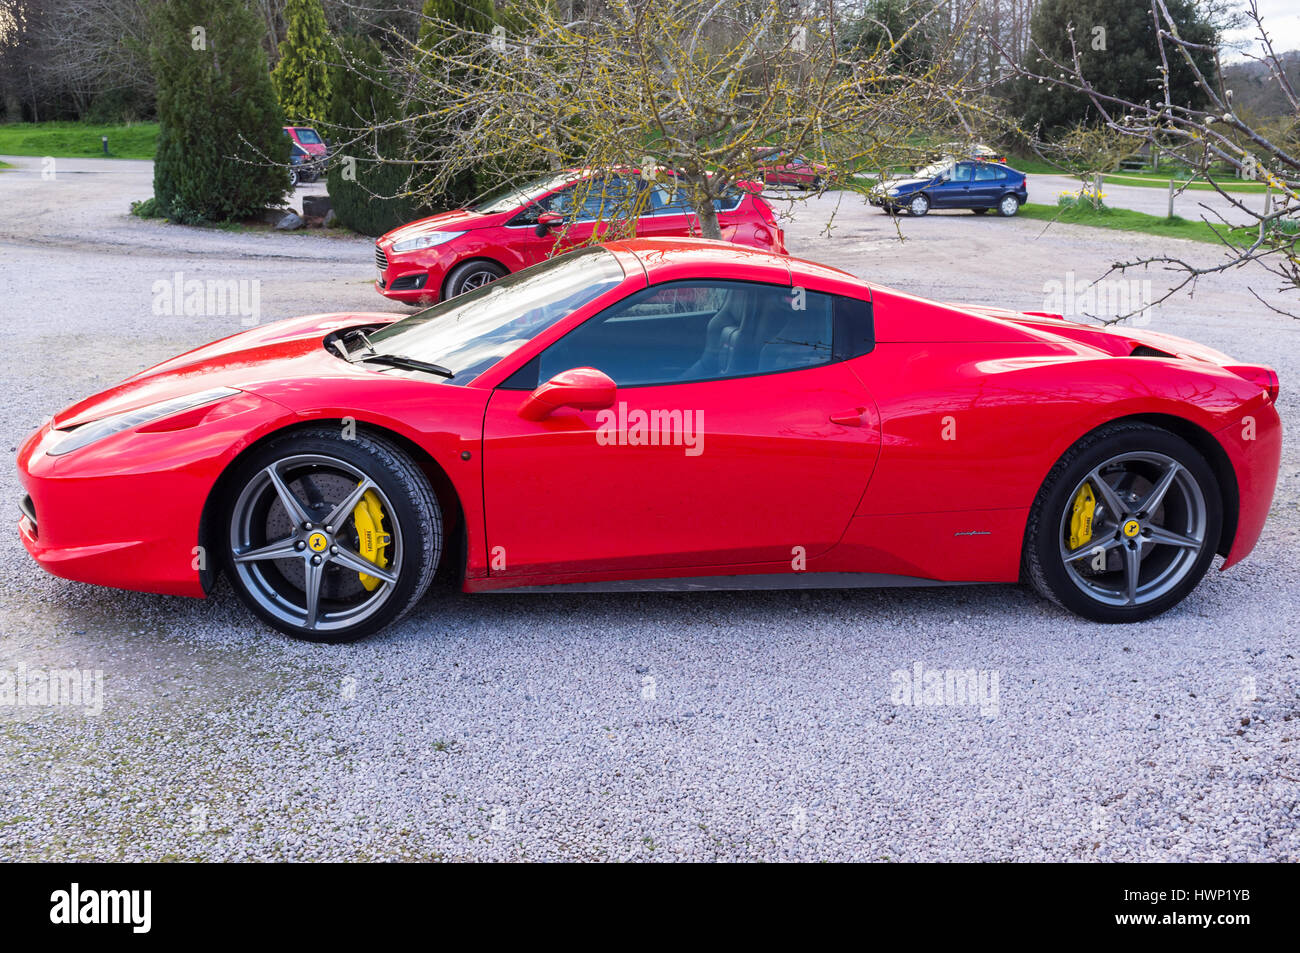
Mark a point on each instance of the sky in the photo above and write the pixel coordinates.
(1281, 18)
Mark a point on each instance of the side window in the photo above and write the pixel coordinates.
(561, 202)
(609, 197)
(700, 330)
(665, 201)
(676, 202)
(730, 200)
(962, 173)
(987, 173)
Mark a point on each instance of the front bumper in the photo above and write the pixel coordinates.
(410, 277)
(127, 511)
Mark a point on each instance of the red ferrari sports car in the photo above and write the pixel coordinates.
(660, 414)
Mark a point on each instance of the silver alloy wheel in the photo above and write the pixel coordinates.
(1010, 205)
(919, 205)
(477, 279)
(1148, 529)
(294, 543)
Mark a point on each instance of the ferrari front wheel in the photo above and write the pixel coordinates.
(1125, 525)
(331, 536)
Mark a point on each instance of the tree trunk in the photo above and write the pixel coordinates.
(708, 216)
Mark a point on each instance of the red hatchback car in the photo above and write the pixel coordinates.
(788, 168)
(308, 139)
(448, 254)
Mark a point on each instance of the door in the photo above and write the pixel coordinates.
(955, 193)
(738, 437)
(987, 186)
(600, 203)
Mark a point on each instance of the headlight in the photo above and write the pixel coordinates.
(428, 240)
(106, 427)
(892, 192)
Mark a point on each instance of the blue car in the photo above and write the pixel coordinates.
(948, 183)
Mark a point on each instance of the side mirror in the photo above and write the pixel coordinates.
(546, 221)
(583, 388)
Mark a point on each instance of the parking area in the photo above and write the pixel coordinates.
(626, 727)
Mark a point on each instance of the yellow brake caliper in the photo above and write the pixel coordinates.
(372, 541)
(1085, 505)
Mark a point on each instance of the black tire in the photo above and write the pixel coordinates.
(1008, 205)
(918, 205)
(979, 211)
(320, 467)
(469, 275)
(1084, 586)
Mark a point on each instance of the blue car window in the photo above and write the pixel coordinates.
(962, 173)
(987, 173)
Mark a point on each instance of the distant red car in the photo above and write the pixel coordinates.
(309, 139)
(448, 254)
(660, 414)
(787, 168)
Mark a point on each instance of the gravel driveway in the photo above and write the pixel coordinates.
(627, 727)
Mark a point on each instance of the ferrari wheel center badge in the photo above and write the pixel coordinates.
(1132, 528)
(318, 542)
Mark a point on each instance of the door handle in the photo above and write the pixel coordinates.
(852, 418)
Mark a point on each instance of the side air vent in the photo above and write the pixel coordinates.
(1143, 351)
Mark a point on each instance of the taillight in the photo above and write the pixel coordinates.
(1259, 374)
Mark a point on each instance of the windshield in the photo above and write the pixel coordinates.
(933, 169)
(471, 332)
(510, 197)
(308, 136)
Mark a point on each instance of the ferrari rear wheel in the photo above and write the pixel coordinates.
(330, 539)
(1125, 525)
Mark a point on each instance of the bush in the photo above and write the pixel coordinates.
(302, 77)
(1084, 198)
(222, 152)
(371, 202)
(148, 208)
(119, 106)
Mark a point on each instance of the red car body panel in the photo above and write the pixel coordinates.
(489, 237)
(943, 434)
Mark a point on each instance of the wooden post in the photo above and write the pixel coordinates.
(1171, 197)
(1096, 189)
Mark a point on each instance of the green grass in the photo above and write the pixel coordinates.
(1032, 166)
(74, 140)
(1123, 220)
(1154, 180)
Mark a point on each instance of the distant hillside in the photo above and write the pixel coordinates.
(1254, 91)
